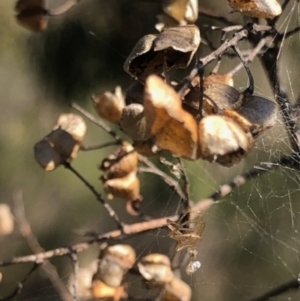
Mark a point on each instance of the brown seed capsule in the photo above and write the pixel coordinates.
(73, 124)
(102, 291)
(120, 163)
(222, 140)
(173, 128)
(259, 111)
(257, 8)
(109, 106)
(115, 261)
(133, 122)
(6, 220)
(179, 45)
(156, 269)
(127, 188)
(177, 290)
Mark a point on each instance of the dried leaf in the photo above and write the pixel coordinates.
(174, 129)
(109, 106)
(257, 8)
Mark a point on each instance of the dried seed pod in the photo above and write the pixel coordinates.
(179, 45)
(120, 163)
(261, 112)
(174, 129)
(172, 48)
(73, 124)
(177, 290)
(133, 122)
(156, 269)
(32, 14)
(6, 220)
(115, 261)
(222, 140)
(127, 188)
(46, 156)
(176, 9)
(257, 8)
(216, 78)
(109, 106)
(102, 291)
(143, 60)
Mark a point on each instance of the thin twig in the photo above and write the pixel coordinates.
(26, 232)
(293, 284)
(128, 231)
(98, 122)
(74, 259)
(98, 196)
(99, 146)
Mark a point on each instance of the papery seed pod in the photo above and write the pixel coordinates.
(143, 60)
(176, 9)
(257, 8)
(261, 112)
(177, 290)
(133, 122)
(115, 261)
(6, 220)
(216, 78)
(73, 124)
(173, 128)
(109, 106)
(64, 144)
(46, 156)
(192, 11)
(127, 188)
(120, 163)
(222, 140)
(156, 269)
(104, 292)
(179, 45)
(32, 14)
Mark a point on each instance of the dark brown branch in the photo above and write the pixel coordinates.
(26, 232)
(291, 285)
(98, 122)
(98, 196)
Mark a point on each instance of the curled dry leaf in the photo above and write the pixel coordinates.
(223, 140)
(156, 269)
(109, 106)
(174, 129)
(120, 163)
(257, 8)
(6, 220)
(133, 122)
(127, 188)
(102, 291)
(177, 290)
(32, 14)
(115, 261)
(154, 54)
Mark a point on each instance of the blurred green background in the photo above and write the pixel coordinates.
(251, 241)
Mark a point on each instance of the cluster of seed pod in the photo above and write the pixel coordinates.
(114, 262)
(156, 270)
(120, 177)
(62, 144)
